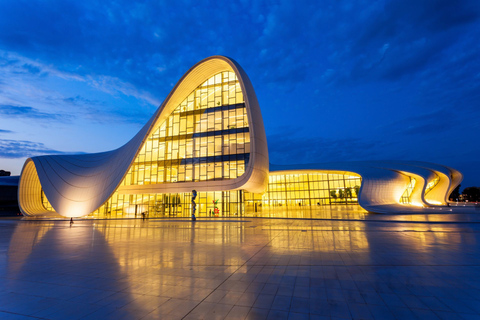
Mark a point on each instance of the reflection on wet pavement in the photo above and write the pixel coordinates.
(248, 268)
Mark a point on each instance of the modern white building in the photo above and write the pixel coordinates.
(208, 136)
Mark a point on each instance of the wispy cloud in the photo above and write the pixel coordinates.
(14, 149)
(30, 113)
(114, 86)
(25, 78)
(79, 100)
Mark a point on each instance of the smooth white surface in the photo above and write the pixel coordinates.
(77, 185)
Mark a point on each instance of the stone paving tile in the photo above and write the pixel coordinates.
(424, 314)
(252, 269)
(339, 310)
(264, 301)
(93, 296)
(238, 312)
(66, 310)
(258, 313)
(173, 308)
(380, 312)
(281, 303)
(219, 311)
(300, 305)
(298, 316)
(277, 314)
(360, 311)
(392, 300)
(247, 299)
(434, 304)
(104, 312)
(412, 301)
(202, 310)
(402, 313)
(231, 298)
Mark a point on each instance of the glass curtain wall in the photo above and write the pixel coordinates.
(306, 189)
(406, 197)
(296, 191)
(205, 138)
(432, 184)
(45, 202)
(171, 205)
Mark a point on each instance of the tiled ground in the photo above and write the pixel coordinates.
(239, 269)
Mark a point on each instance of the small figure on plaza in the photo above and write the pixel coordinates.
(194, 205)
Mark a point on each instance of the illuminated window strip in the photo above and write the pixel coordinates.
(432, 184)
(312, 189)
(407, 194)
(202, 134)
(45, 202)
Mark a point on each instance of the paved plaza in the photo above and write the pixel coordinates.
(425, 267)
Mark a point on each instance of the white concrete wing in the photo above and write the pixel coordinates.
(76, 185)
(385, 182)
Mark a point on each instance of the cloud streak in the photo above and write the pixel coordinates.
(30, 113)
(25, 79)
(14, 149)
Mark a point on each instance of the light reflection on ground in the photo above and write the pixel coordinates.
(241, 268)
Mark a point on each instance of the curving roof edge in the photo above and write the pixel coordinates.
(77, 185)
(383, 182)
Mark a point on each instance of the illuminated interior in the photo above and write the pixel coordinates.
(432, 184)
(287, 190)
(45, 202)
(307, 189)
(406, 197)
(205, 138)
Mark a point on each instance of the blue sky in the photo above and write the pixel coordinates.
(336, 80)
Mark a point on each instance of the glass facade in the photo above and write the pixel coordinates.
(289, 191)
(205, 138)
(45, 202)
(315, 188)
(432, 184)
(406, 197)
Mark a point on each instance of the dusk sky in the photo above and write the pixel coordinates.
(336, 80)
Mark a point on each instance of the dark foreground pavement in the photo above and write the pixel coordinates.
(239, 269)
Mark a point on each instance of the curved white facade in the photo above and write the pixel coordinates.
(384, 183)
(77, 185)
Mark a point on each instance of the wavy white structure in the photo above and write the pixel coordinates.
(384, 182)
(76, 185)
